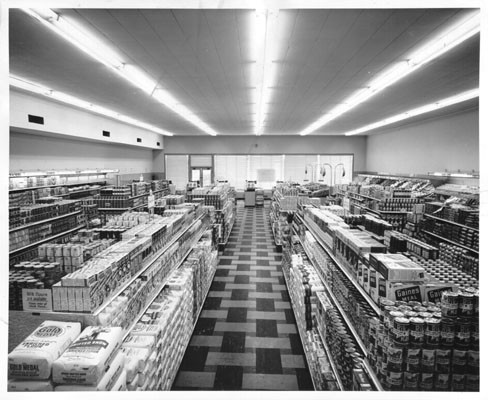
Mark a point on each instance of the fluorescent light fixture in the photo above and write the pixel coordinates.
(461, 30)
(264, 32)
(21, 83)
(464, 96)
(101, 52)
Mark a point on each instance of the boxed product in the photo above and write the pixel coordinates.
(433, 291)
(87, 359)
(34, 357)
(396, 267)
(29, 386)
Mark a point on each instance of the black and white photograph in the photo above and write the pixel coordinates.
(243, 198)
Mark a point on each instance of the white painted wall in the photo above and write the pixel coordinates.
(450, 142)
(73, 122)
(32, 152)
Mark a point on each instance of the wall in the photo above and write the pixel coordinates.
(31, 152)
(74, 122)
(450, 143)
(269, 145)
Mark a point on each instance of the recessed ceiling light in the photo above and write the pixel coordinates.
(33, 87)
(464, 96)
(107, 55)
(455, 34)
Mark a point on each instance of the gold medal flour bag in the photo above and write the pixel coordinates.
(33, 358)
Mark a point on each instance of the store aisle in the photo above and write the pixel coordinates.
(246, 337)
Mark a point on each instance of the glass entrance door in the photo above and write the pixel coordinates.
(202, 175)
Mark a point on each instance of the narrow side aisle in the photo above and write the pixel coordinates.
(246, 337)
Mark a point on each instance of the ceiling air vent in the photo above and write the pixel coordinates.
(106, 133)
(36, 119)
(158, 144)
(139, 140)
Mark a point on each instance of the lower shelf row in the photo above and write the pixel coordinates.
(59, 356)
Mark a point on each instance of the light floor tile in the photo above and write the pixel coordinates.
(226, 294)
(238, 303)
(237, 359)
(249, 286)
(279, 287)
(263, 295)
(285, 328)
(270, 280)
(269, 382)
(273, 315)
(224, 279)
(282, 304)
(248, 327)
(292, 361)
(214, 314)
(208, 341)
(268, 343)
(195, 379)
(233, 273)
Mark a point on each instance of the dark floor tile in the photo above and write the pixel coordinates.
(233, 342)
(222, 272)
(239, 294)
(263, 273)
(228, 378)
(262, 246)
(212, 303)
(285, 296)
(237, 314)
(228, 252)
(290, 317)
(244, 258)
(225, 261)
(277, 258)
(205, 326)
(262, 254)
(243, 267)
(263, 263)
(304, 379)
(268, 361)
(266, 328)
(296, 343)
(265, 287)
(217, 286)
(245, 249)
(265, 305)
(194, 359)
(242, 279)
(246, 243)
(281, 280)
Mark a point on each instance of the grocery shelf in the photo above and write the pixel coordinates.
(346, 272)
(57, 236)
(300, 333)
(449, 241)
(44, 221)
(149, 263)
(79, 191)
(346, 319)
(329, 356)
(445, 192)
(207, 289)
(58, 185)
(451, 222)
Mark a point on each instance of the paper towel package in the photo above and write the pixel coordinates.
(33, 358)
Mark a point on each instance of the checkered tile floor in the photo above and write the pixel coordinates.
(246, 337)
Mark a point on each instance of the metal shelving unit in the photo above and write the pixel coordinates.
(450, 241)
(451, 222)
(345, 317)
(44, 221)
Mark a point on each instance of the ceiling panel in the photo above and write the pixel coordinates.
(203, 57)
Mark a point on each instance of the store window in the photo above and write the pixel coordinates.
(266, 170)
(232, 169)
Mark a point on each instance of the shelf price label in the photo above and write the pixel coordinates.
(37, 300)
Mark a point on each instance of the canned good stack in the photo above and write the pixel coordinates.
(414, 346)
(459, 258)
(31, 275)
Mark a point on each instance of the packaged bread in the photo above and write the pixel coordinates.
(33, 358)
(87, 359)
(135, 361)
(107, 382)
(29, 386)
